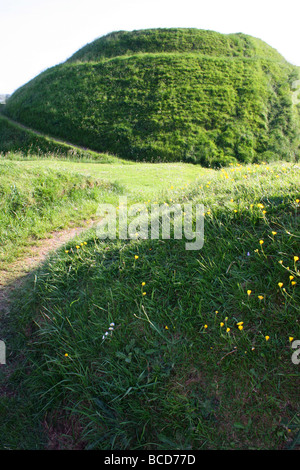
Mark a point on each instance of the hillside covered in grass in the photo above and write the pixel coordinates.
(144, 345)
(36, 201)
(169, 95)
(19, 142)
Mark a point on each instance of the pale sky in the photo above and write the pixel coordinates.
(37, 34)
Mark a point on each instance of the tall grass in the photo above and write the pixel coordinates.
(20, 143)
(198, 348)
(37, 201)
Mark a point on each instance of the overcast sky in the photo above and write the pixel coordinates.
(37, 34)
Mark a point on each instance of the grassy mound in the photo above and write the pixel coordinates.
(36, 201)
(198, 354)
(174, 40)
(169, 95)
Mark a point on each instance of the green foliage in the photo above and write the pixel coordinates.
(175, 372)
(180, 40)
(168, 95)
(17, 142)
(36, 201)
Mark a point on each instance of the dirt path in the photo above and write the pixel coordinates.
(17, 271)
(11, 279)
(56, 140)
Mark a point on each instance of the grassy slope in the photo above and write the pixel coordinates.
(180, 40)
(224, 99)
(40, 196)
(163, 380)
(38, 200)
(141, 181)
(26, 218)
(17, 141)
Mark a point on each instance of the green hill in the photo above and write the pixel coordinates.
(169, 95)
(174, 40)
(18, 141)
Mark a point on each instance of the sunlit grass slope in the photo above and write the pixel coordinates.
(179, 40)
(141, 181)
(36, 201)
(38, 196)
(169, 95)
(151, 346)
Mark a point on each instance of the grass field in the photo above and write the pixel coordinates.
(137, 343)
(19, 142)
(38, 200)
(200, 353)
(40, 196)
(139, 180)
